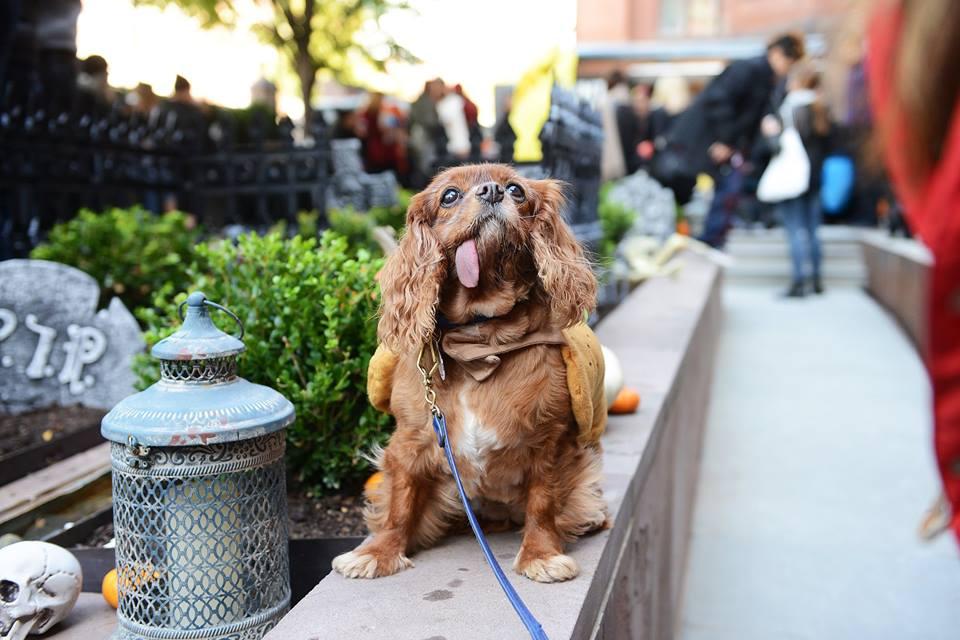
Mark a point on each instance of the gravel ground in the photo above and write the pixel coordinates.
(27, 429)
(326, 516)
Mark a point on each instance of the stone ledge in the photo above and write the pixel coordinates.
(665, 334)
(897, 271)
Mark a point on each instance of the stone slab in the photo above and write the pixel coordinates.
(664, 334)
(56, 348)
(897, 275)
(91, 619)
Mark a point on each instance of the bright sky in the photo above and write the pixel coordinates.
(477, 43)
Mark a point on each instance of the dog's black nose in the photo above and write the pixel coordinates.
(491, 192)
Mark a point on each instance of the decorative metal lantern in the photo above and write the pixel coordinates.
(199, 493)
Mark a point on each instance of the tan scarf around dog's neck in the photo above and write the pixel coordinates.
(477, 347)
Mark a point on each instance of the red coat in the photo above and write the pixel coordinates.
(933, 210)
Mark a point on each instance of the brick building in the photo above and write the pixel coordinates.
(691, 37)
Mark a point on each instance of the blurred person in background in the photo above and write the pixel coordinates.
(143, 107)
(183, 114)
(94, 93)
(453, 117)
(379, 127)
(612, 165)
(144, 101)
(671, 95)
(503, 133)
(187, 110)
(182, 92)
(914, 78)
(345, 125)
(803, 109)
(369, 130)
(425, 130)
(263, 95)
(638, 125)
(471, 113)
(722, 122)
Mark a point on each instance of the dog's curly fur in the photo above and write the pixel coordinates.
(514, 434)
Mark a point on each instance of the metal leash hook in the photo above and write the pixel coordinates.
(534, 628)
(429, 393)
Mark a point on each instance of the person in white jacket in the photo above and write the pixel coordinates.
(801, 112)
(454, 121)
(612, 163)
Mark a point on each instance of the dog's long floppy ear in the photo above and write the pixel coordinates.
(564, 272)
(410, 283)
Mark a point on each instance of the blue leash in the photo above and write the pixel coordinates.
(529, 621)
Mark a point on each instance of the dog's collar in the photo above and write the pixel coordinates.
(479, 344)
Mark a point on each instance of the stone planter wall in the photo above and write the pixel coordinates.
(897, 271)
(665, 334)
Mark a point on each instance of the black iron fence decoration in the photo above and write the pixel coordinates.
(53, 165)
(225, 170)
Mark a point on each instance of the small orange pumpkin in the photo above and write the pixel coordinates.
(109, 589)
(627, 401)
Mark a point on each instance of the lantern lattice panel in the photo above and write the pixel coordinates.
(199, 544)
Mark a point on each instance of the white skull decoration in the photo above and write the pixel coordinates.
(39, 584)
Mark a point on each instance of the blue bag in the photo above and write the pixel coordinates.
(836, 185)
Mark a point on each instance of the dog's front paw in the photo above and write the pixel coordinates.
(556, 568)
(361, 563)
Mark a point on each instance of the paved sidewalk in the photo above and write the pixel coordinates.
(817, 467)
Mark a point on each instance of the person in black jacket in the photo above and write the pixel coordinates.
(639, 124)
(720, 124)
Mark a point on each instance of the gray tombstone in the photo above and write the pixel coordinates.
(351, 186)
(56, 349)
(653, 203)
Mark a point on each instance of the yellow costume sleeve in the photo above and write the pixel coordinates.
(380, 378)
(584, 360)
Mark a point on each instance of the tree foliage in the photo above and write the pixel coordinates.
(311, 35)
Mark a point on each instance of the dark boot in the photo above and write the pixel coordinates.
(796, 290)
(817, 285)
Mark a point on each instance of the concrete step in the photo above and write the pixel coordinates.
(761, 256)
(845, 273)
(827, 234)
(748, 250)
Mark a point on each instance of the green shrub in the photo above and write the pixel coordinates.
(395, 216)
(307, 224)
(132, 253)
(355, 226)
(615, 220)
(309, 311)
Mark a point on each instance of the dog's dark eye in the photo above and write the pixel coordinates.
(449, 197)
(516, 192)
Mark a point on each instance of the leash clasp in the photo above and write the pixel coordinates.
(430, 394)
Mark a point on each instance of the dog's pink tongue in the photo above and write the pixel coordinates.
(468, 264)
